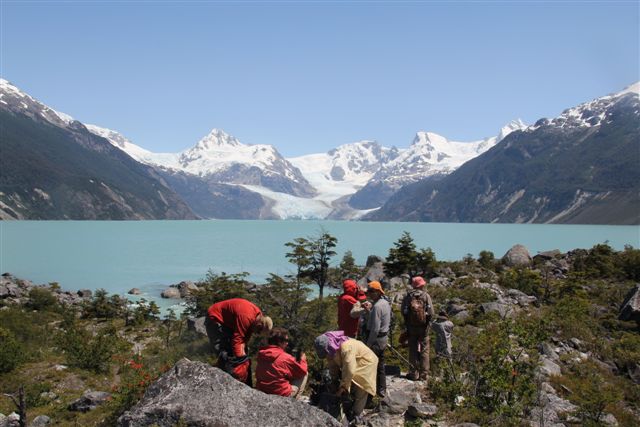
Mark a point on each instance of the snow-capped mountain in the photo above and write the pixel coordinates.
(589, 114)
(16, 101)
(433, 154)
(53, 167)
(580, 167)
(429, 155)
(222, 158)
(345, 169)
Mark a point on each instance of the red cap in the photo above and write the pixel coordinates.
(418, 282)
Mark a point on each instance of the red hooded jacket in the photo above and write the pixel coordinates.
(276, 368)
(238, 315)
(346, 301)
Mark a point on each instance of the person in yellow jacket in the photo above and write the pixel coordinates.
(353, 362)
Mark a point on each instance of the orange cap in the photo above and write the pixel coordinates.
(375, 286)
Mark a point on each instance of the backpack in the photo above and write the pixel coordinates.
(417, 310)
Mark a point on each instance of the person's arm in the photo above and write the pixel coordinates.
(239, 336)
(405, 306)
(374, 325)
(298, 369)
(356, 310)
(430, 310)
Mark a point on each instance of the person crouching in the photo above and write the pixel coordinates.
(278, 372)
(351, 361)
(230, 324)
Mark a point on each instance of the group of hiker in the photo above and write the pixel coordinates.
(355, 352)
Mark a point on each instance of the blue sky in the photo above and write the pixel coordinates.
(308, 76)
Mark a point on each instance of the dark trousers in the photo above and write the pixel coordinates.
(419, 353)
(381, 379)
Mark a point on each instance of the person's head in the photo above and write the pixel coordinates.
(418, 282)
(262, 324)
(442, 315)
(327, 344)
(278, 337)
(375, 291)
(321, 346)
(350, 287)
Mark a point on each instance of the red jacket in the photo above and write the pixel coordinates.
(276, 368)
(345, 303)
(238, 315)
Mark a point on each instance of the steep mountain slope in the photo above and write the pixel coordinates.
(581, 167)
(54, 168)
(220, 158)
(429, 155)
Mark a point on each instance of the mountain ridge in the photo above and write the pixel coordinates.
(580, 167)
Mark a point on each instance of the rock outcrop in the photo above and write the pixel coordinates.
(197, 394)
(517, 256)
(89, 401)
(630, 309)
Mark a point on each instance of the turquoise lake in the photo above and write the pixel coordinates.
(151, 255)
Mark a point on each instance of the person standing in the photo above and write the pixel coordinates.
(417, 310)
(443, 328)
(229, 325)
(378, 330)
(278, 372)
(351, 295)
(351, 361)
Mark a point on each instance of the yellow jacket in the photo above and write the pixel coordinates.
(357, 363)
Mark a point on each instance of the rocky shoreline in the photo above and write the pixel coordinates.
(464, 291)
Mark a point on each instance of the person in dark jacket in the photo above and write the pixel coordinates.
(418, 334)
(229, 325)
(351, 295)
(277, 371)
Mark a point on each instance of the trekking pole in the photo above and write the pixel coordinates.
(404, 359)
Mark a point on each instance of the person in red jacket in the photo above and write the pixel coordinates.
(278, 372)
(349, 297)
(230, 324)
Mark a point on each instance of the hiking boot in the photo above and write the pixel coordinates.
(357, 421)
(382, 394)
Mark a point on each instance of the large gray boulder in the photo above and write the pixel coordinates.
(196, 324)
(375, 272)
(517, 256)
(186, 288)
(630, 309)
(197, 394)
(172, 293)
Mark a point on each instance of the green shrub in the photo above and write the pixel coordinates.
(144, 311)
(42, 299)
(31, 330)
(601, 261)
(626, 350)
(215, 288)
(10, 351)
(522, 279)
(487, 260)
(87, 351)
(629, 261)
(32, 392)
(104, 307)
(590, 391)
